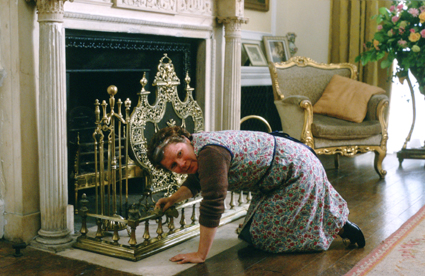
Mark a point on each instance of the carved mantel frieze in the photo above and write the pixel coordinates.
(204, 7)
(196, 6)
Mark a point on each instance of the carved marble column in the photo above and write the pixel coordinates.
(52, 126)
(230, 13)
(232, 72)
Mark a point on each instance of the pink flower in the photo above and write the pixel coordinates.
(379, 27)
(412, 30)
(395, 18)
(414, 12)
(423, 33)
(401, 30)
(400, 7)
(392, 8)
(402, 43)
(422, 8)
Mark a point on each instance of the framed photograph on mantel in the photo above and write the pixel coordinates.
(258, 5)
(255, 55)
(277, 48)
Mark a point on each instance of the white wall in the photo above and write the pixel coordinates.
(259, 21)
(309, 19)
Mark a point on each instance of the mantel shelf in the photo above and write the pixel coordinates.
(255, 76)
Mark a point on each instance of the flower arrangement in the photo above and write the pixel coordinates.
(400, 35)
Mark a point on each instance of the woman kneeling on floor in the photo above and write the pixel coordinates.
(294, 206)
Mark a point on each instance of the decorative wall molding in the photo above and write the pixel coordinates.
(96, 2)
(73, 41)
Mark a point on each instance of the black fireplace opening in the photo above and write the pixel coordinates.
(96, 60)
(259, 100)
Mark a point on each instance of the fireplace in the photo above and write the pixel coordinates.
(74, 44)
(96, 60)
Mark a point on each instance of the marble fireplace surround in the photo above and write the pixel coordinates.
(216, 23)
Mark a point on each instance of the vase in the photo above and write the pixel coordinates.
(416, 153)
(419, 74)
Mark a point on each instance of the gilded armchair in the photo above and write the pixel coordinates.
(299, 83)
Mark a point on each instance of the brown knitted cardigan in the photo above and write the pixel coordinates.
(211, 181)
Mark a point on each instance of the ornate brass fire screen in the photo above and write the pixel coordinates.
(126, 136)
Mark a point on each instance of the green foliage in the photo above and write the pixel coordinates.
(401, 36)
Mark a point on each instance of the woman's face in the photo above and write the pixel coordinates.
(180, 158)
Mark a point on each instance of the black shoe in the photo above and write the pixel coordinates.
(354, 234)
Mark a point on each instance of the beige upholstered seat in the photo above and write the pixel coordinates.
(299, 83)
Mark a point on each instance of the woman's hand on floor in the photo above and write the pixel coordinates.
(194, 257)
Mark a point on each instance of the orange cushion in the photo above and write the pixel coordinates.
(346, 99)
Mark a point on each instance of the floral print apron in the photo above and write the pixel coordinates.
(294, 207)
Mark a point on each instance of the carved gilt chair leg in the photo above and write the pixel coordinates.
(379, 157)
(336, 161)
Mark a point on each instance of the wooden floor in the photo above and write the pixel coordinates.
(378, 206)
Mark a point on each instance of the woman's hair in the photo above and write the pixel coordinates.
(164, 137)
